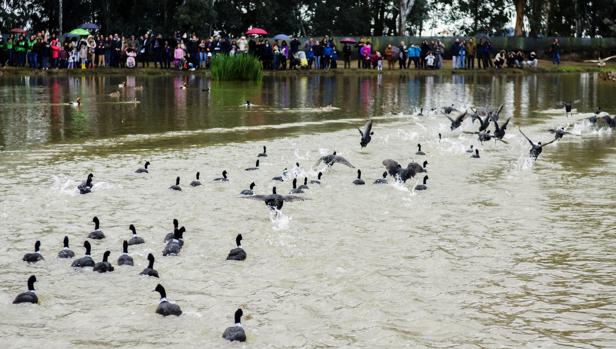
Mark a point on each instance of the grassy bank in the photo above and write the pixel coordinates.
(544, 67)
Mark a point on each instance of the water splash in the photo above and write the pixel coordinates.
(279, 220)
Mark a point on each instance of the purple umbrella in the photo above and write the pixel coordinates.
(88, 26)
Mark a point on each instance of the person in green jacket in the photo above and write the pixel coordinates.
(32, 52)
(2, 51)
(20, 50)
(9, 51)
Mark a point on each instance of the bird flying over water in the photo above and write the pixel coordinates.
(331, 159)
(537, 148)
(365, 134)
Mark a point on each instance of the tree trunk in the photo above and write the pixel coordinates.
(475, 16)
(578, 19)
(405, 7)
(519, 16)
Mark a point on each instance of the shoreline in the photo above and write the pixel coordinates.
(544, 67)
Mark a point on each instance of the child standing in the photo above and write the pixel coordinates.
(430, 60)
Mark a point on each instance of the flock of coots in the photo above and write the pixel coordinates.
(175, 240)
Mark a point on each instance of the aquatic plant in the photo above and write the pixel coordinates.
(236, 68)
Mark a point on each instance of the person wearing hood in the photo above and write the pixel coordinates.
(455, 50)
(470, 53)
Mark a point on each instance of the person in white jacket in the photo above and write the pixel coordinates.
(242, 45)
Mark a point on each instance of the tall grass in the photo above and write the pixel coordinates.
(236, 68)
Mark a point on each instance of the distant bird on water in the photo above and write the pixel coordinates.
(86, 187)
(30, 295)
(235, 332)
(143, 169)
(166, 308)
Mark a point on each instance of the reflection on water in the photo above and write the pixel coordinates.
(35, 110)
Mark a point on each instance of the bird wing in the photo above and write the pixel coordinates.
(502, 140)
(528, 139)
(471, 133)
(391, 165)
(496, 124)
(550, 142)
(607, 59)
(292, 198)
(504, 127)
(256, 197)
(322, 158)
(461, 117)
(361, 133)
(414, 166)
(498, 111)
(343, 161)
(367, 127)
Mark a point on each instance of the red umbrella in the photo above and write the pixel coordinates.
(256, 31)
(348, 41)
(18, 30)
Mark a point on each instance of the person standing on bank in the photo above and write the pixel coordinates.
(555, 49)
(346, 52)
(470, 54)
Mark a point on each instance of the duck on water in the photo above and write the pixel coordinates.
(30, 295)
(176, 186)
(35, 256)
(86, 260)
(135, 240)
(166, 308)
(125, 258)
(104, 266)
(174, 246)
(86, 186)
(97, 233)
(66, 252)
(150, 271)
(196, 182)
(143, 169)
(238, 253)
(235, 332)
(249, 191)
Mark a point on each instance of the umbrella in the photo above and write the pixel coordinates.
(80, 32)
(88, 26)
(348, 41)
(18, 30)
(257, 31)
(69, 35)
(282, 37)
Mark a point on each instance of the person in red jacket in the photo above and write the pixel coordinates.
(55, 51)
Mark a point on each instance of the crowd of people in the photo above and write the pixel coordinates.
(44, 50)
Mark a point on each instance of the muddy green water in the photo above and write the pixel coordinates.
(498, 252)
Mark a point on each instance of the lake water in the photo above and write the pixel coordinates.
(500, 251)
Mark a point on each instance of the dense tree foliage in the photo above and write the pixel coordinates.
(334, 17)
